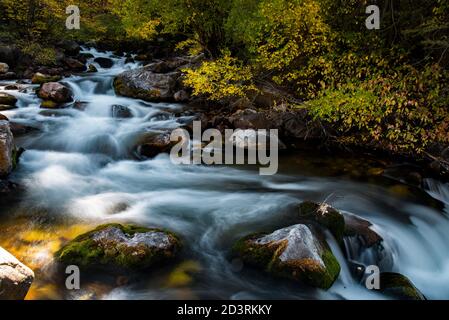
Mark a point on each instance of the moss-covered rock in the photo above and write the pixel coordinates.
(120, 247)
(40, 78)
(324, 215)
(91, 68)
(297, 252)
(399, 286)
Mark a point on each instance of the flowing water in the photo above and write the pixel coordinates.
(78, 171)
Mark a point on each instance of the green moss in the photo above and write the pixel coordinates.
(48, 104)
(399, 286)
(88, 253)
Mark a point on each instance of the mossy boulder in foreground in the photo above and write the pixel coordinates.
(398, 286)
(297, 252)
(120, 247)
(324, 215)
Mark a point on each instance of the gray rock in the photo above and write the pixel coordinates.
(297, 252)
(15, 277)
(144, 84)
(6, 148)
(119, 111)
(255, 140)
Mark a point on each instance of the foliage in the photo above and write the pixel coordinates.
(221, 79)
(40, 54)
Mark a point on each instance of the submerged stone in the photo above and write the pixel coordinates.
(297, 252)
(120, 247)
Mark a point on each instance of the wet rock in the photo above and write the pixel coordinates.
(129, 60)
(55, 92)
(254, 140)
(74, 64)
(7, 99)
(80, 105)
(144, 84)
(104, 62)
(15, 277)
(120, 247)
(40, 78)
(250, 119)
(18, 129)
(119, 111)
(91, 68)
(155, 144)
(3, 117)
(4, 68)
(297, 252)
(181, 96)
(5, 107)
(360, 228)
(6, 149)
(324, 215)
(399, 286)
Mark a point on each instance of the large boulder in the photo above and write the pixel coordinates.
(399, 287)
(6, 149)
(7, 99)
(15, 277)
(56, 92)
(119, 247)
(147, 85)
(4, 68)
(104, 62)
(297, 252)
(324, 215)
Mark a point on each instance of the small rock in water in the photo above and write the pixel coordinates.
(15, 277)
(399, 286)
(91, 68)
(120, 247)
(297, 252)
(324, 215)
(155, 144)
(7, 99)
(119, 111)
